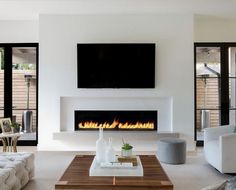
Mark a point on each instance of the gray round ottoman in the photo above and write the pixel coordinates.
(172, 150)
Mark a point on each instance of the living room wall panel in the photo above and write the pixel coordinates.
(58, 36)
(214, 29)
(19, 31)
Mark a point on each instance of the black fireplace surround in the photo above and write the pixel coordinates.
(137, 120)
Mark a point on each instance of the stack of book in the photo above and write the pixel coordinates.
(130, 159)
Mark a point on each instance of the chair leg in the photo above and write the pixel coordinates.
(15, 144)
(4, 143)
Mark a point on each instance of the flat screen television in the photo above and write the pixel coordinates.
(121, 65)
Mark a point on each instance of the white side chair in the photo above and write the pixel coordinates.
(220, 148)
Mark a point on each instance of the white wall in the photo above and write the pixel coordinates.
(214, 29)
(59, 34)
(19, 31)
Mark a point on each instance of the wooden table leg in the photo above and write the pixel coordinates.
(15, 144)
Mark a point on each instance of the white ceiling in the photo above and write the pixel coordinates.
(30, 9)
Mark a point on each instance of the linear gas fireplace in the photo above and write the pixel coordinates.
(115, 120)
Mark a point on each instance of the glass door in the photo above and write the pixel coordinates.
(208, 85)
(1, 82)
(19, 87)
(232, 84)
(215, 86)
(24, 87)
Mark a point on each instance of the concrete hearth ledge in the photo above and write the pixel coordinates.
(86, 140)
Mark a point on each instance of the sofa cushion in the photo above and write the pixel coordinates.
(16, 169)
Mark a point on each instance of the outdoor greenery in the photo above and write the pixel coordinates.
(1, 58)
(24, 66)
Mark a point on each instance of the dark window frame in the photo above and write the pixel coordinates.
(8, 84)
(224, 83)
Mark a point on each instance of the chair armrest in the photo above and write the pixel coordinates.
(227, 147)
(213, 133)
(228, 138)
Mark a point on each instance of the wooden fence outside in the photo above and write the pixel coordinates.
(19, 91)
(212, 100)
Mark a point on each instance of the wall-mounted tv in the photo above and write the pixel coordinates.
(116, 65)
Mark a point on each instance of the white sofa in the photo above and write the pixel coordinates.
(16, 169)
(220, 148)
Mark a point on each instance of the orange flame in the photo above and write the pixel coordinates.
(138, 125)
(115, 123)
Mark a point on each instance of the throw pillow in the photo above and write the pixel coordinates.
(231, 184)
(218, 186)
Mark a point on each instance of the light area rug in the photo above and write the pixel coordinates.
(195, 174)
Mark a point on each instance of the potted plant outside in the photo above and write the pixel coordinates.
(16, 127)
(126, 149)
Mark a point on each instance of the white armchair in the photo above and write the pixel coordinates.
(220, 148)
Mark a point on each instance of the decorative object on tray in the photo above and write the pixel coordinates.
(110, 153)
(16, 127)
(132, 159)
(116, 168)
(106, 157)
(126, 149)
(116, 165)
(101, 147)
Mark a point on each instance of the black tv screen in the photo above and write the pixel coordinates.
(123, 65)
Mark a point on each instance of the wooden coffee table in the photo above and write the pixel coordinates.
(77, 176)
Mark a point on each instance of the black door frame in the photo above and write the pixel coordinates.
(8, 84)
(224, 83)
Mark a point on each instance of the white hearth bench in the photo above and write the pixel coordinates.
(16, 169)
(144, 140)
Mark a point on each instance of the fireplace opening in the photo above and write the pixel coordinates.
(115, 120)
